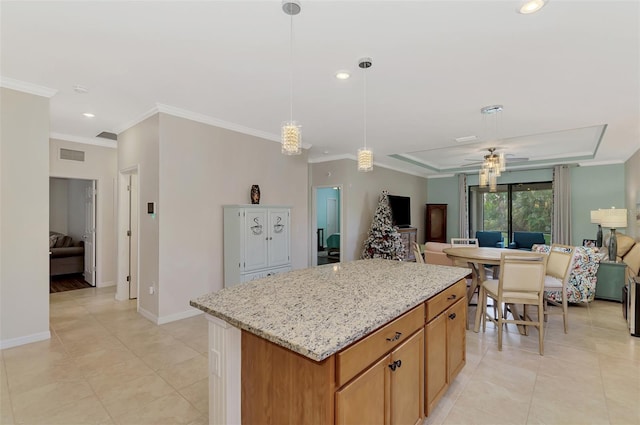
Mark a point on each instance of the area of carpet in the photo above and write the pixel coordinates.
(67, 282)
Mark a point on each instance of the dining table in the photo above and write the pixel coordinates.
(477, 258)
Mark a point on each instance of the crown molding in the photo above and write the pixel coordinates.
(355, 159)
(151, 112)
(596, 163)
(85, 140)
(25, 87)
(331, 158)
(440, 176)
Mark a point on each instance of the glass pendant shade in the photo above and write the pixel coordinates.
(365, 159)
(291, 138)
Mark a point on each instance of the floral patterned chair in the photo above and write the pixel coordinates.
(582, 280)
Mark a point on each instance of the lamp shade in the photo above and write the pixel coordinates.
(596, 216)
(614, 218)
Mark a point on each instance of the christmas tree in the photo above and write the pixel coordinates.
(384, 241)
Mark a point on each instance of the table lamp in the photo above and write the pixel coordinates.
(614, 219)
(596, 217)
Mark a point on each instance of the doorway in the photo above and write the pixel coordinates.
(128, 235)
(72, 233)
(327, 240)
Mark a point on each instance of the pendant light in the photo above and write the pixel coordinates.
(365, 156)
(291, 133)
(494, 163)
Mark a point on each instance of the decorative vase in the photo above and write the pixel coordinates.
(255, 194)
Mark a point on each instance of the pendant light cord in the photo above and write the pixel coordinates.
(365, 107)
(291, 64)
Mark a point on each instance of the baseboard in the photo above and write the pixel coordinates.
(105, 284)
(14, 342)
(179, 316)
(148, 315)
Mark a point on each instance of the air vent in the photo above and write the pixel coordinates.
(71, 155)
(108, 135)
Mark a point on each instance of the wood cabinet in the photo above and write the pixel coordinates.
(436, 223)
(379, 379)
(389, 392)
(257, 242)
(409, 235)
(445, 343)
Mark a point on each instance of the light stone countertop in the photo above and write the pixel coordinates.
(318, 311)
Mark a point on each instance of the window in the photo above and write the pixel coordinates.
(520, 207)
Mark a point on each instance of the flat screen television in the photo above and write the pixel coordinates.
(400, 210)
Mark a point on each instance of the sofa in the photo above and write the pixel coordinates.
(628, 252)
(525, 240)
(66, 256)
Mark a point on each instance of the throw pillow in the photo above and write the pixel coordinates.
(624, 244)
(68, 241)
(52, 240)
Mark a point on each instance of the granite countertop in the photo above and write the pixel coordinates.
(318, 311)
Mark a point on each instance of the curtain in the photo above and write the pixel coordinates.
(463, 213)
(561, 226)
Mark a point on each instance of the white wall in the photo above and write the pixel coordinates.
(139, 146)
(24, 218)
(58, 204)
(632, 201)
(360, 197)
(100, 164)
(203, 168)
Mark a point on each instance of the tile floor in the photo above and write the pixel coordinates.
(105, 364)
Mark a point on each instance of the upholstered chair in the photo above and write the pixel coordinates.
(556, 279)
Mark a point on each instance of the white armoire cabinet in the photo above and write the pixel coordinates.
(257, 242)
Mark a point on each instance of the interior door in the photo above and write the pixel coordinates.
(133, 236)
(279, 223)
(90, 234)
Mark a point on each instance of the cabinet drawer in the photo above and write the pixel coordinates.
(361, 354)
(438, 303)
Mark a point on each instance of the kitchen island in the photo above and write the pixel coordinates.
(336, 343)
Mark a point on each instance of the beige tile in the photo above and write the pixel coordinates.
(131, 395)
(162, 355)
(32, 379)
(33, 404)
(92, 363)
(171, 409)
(6, 411)
(186, 373)
(198, 395)
(118, 374)
(86, 410)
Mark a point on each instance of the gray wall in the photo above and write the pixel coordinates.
(360, 197)
(632, 201)
(100, 164)
(24, 218)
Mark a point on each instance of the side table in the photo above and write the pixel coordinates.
(610, 280)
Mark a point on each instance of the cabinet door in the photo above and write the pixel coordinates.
(279, 224)
(366, 399)
(436, 376)
(255, 238)
(436, 229)
(407, 378)
(456, 317)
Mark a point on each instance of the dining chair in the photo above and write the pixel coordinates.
(521, 281)
(417, 253)
(556, 279)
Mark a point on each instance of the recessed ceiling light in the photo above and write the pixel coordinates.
(531, 6)
(342, 75)
(80, 89)
(88, 115)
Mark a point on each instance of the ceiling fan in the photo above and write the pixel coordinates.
(509, 158)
